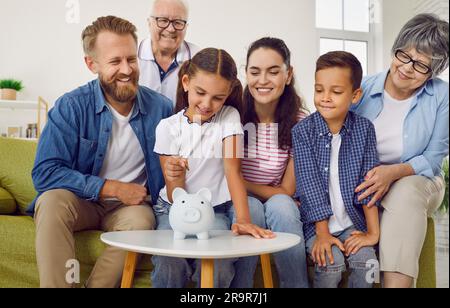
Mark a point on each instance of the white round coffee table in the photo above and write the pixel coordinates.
(221, 245)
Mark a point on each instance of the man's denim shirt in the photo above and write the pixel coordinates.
(74, 142)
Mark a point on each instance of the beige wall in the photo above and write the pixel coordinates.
(395, 14)
(44, 51)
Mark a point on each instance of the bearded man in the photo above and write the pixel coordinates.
(95, 167)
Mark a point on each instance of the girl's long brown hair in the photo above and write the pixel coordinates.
(215, 61)
(290, 105)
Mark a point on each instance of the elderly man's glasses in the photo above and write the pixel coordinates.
(163, 23)
(417, 65)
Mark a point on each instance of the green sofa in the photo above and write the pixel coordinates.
(18, 267)
(17, 232)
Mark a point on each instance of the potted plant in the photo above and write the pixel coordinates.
(444, 206)
(9, 88)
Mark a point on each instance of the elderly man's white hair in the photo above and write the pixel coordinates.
(184, 3)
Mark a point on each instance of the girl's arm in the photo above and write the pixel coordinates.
(174, 171)
(265, 192)
(235, 180)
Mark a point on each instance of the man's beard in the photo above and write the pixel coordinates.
(123, 93)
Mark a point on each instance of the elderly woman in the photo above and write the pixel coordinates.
(409, 107)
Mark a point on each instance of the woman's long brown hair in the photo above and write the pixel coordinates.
(290, 105)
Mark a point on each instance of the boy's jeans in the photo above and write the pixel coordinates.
(171, 272)
(360, 265)
(283, 215)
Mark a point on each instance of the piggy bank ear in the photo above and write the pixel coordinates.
(205, 193)
(178, 192)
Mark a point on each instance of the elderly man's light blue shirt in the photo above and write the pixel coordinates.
(426, 126)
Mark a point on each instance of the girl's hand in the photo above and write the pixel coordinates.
(377, 183)
(323, 247)
(175, 168)
(251, 229)
(358, 240)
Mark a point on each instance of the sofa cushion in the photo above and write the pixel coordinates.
(7, 203)
(18, 267)
(16, 162)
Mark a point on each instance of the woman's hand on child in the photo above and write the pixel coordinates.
(251, 229)
(358, 240)
(323, 247)
(377, 184)
(175, 168)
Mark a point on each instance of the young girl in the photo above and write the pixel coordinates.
(270, 98)
(197, 148)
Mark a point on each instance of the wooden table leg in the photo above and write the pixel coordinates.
(128, 270)
(207, 274)
(266, 271)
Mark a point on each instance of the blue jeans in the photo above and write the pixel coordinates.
(282, 215)
(171, 272)
(360, 265)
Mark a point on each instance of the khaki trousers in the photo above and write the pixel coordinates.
(60, 213)
(403, 227)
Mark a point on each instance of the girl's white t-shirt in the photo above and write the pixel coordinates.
(202, 146)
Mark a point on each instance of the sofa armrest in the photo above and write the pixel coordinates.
(427, 264)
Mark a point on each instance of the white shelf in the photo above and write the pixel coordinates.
(40, 105)
(23, 105)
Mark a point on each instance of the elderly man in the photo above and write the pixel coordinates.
(95, 164)
(161, 55)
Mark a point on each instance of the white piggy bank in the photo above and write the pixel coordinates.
(191, 214)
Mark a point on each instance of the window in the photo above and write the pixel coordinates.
(345, 25)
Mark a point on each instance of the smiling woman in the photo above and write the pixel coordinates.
(409, 107)
(272, 104)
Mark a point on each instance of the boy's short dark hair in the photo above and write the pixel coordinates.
(342, 59)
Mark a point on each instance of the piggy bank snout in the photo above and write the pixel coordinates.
(191, 215)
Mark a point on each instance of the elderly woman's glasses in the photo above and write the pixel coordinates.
(163, 23)
(417, 65)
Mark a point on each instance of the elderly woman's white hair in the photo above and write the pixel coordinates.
(429, 36)
(182, 2)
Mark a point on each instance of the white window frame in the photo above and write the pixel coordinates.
(368, 37)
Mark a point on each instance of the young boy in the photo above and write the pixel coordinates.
(333, 151)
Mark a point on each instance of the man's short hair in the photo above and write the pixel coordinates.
(342, 59)
(110, 24)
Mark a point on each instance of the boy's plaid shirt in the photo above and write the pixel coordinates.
(312, 152)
